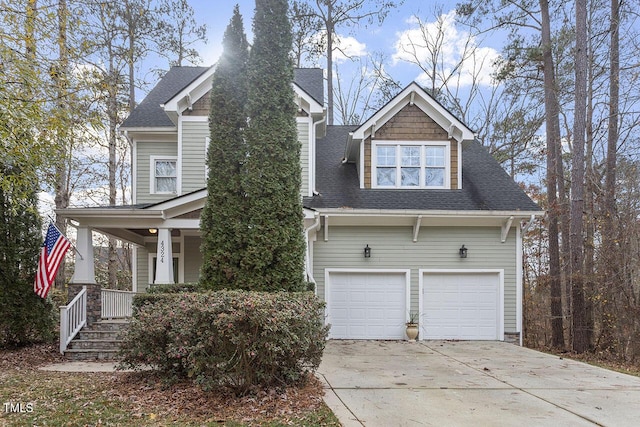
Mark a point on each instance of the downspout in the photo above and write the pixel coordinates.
(307, 254)
(313, 154)
(527, 226)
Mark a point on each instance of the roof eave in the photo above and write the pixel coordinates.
(428, 213)
(153, 129)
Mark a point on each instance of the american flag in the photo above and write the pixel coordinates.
(53, 250)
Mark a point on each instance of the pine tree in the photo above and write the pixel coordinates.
(222, 219)
(274, 256)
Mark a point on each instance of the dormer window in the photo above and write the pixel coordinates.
(164, 176)
(412, 164)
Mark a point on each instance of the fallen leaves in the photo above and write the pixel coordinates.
(147, 393)
(145, 398)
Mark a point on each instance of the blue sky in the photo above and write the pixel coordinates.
(399, 25)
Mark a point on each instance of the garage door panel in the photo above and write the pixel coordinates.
(461, 305)
(367, 305)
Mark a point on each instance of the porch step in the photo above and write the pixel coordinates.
(88, 354)
(100, 342)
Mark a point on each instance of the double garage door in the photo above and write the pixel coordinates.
(454, 305)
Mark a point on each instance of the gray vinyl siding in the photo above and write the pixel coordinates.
(144, 268)
(194, 135)
(303, 137)
(145, 150)
(436, 248)
(192, 259)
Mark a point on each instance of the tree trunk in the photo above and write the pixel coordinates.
(589, 206)
(610, 248)
(112, 113)
(61, 185)
(581, 336)
(330, 30)
(553, 139)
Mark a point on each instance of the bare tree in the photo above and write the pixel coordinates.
(307, 45)
(334, 14)
(179, 32)
(366, 92)
(553, 140)
(581, 335)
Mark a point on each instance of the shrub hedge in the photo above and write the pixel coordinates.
(238, 340)
(175, 288)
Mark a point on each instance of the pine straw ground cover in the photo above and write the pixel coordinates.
(140, 399)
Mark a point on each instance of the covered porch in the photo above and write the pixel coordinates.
(165, 238)
(166, 249)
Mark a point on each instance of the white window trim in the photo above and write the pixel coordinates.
(176, 255)
(152, 173)
(422, 145)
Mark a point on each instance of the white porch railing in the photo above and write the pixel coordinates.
(73, 317)
(116, 304)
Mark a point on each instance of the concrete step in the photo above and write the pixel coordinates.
(88, 354)
(99, 344)
(110, 325)
(91, 334)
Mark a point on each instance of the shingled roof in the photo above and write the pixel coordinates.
(311, 81)
(485, 185)
(149, 112)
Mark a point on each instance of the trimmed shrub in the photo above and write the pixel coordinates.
(140, 300)
(158, 293)
(231, 339)
(175, 288)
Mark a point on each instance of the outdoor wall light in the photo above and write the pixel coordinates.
(463, 252)
(153, 230)
(367, 251)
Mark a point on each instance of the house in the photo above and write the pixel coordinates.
(405, 213)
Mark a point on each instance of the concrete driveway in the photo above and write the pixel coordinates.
(444, 383)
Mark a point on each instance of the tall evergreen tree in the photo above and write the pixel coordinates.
(24, 316)
(274, 257)
(222, 219)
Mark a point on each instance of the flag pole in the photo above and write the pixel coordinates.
(60, 231)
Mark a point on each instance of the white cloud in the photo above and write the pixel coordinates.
(344, 47)
(347, 47)
(456, 53)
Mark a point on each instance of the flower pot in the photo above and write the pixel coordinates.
(412, 331)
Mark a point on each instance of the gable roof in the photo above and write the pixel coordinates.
(310, 80)
(485, 185)
(413, 94)
(149, 113)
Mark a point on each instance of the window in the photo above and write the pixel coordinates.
(164, 175)
(422, 165)
(435, 166)
(152, 277)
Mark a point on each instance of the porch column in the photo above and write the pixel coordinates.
(84, 275)
(84, 271)
(164, 258)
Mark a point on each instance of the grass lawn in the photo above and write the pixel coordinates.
(140, 399)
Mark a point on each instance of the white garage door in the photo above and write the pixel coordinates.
(465, 306)
(367, 305)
